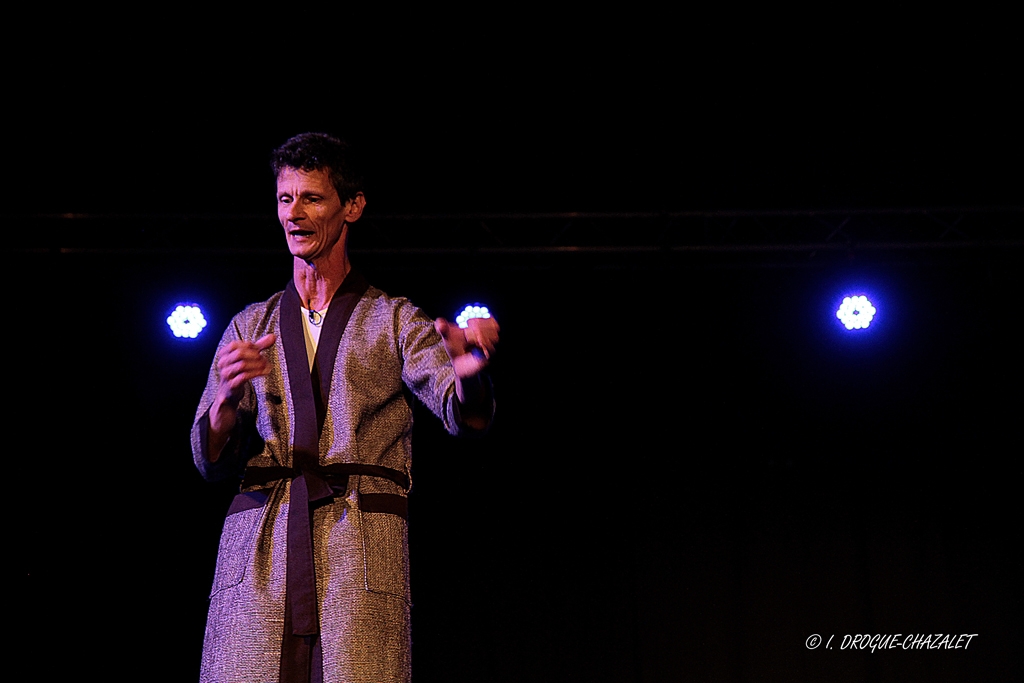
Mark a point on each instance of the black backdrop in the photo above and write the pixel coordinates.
(691, 473)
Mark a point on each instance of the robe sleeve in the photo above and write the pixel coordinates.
(242, 442)
(428, 372)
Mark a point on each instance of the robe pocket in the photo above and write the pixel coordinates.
(385, 553)
(245, 518)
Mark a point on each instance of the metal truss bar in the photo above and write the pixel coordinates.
(927, 228)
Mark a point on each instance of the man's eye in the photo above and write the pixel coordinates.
(284, 199)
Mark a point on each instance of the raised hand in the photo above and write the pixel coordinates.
(239, 362)
(470, 349)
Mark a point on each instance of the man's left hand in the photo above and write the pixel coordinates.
(471, 348)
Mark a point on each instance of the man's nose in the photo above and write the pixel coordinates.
(295, 211)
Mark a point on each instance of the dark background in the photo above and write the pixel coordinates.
(692, 469)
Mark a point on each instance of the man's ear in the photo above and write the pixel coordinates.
(355, 207)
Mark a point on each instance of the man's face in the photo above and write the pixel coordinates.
(311, 213)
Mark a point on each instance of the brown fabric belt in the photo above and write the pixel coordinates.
(336, 477)
(336, 474)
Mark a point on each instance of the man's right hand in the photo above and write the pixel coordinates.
(239, 362)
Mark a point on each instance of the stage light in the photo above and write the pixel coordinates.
(469, 312)
(187, 321)
(856, 312)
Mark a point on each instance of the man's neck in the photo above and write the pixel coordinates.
(317, 281)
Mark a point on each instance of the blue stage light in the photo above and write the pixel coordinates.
(469, 312)
(856, 312)
(187, 321)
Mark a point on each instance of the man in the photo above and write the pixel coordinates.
(306, 400)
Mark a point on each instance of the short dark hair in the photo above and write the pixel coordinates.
(321, 152)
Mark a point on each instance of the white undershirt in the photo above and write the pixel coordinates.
(311, 332)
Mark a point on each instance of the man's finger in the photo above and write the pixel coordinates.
(443, 327)
(483, 333)
(266, 341)
(468, 364)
